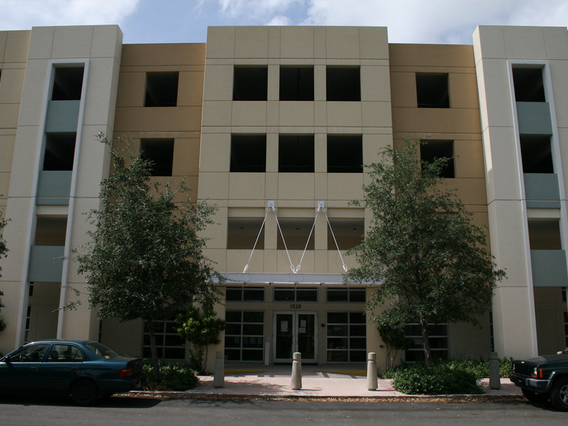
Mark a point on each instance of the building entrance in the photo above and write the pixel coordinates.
(295, 332)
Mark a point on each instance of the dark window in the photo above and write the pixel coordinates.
(248, 153)
(431, 150)
(296, 233)
(296, 154)
(243, 233)
(296, 84)
(438, 341)
(67, 84)
(544, 234)
(344, 154)
(432, 91)
(161, 153)
(345, 295)
(245, 294)
(343, 83)
(529, 86)
(292, 294)
(346, 337)
(250, 83)
(348, 233)
(536, 154)
(161, 89)
(244, 336)
(169, 343)
(59, 151)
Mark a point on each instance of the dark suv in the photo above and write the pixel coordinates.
(544, 377)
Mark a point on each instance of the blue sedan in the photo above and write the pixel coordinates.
(86, 370)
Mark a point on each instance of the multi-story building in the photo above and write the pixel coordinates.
(274, 125)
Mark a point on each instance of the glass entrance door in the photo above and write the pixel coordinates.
(295, 332)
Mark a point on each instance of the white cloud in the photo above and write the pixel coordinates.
(23, 14)
(279, 20)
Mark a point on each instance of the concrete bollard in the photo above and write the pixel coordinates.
(297, 371)
(494, 375)
(372, 380)
(219, 374)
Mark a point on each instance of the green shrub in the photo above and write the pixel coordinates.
(172, 377)
(416, 379)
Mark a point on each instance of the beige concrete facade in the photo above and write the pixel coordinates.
(263, 122)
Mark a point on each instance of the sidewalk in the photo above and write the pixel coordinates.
(317, 382)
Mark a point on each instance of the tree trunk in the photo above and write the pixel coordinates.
(153, 348)
(426, 343)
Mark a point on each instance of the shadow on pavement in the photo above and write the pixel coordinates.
(62, 401)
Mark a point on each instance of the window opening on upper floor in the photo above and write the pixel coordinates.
(296, 83)
(245, 294)
(67, 84)
(536, 154)
(296, 233)
(343, 83)
(529, 84)
(248, 153)
(295, 294)
(250, 83)
(161, 89)
(161, 153)
(50, 230)
(430, 150)
(544, 234)
(242, 233)
(432, 90)
(296, 154)
(348, 233)
(346, 295)
(59, 151)
(344, 154)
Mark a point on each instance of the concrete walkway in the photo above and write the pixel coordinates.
(326, 381)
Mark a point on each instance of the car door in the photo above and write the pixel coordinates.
(20, 372)
(62, 365)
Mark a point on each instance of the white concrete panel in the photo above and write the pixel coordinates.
(215, 153)
(251, 42)
(297, 42)
(524, 42)
(556, 41)
(375, 83)
(342, 43)
(497, 110)
(218, 83)
(107, 42)
(221, 42)
(72, 42)
(374, 42)
(41, 43)
(34, 93)
(217, 113)
(489, 42)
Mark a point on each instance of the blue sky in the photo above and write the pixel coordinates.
(182, 21)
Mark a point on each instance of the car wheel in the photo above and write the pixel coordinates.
(559, 394)
(84, 393)
(535, 396)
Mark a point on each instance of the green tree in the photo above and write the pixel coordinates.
(145, 259)
(201, 328)
(394, 338)
(3, 253)
(422, 246)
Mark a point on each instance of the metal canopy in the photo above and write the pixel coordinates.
(262, 279)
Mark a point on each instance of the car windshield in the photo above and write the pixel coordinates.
(101, 350)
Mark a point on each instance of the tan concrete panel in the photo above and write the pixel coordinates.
(296, 113)
(213, 186)
(469, 158)
(217, 113)
(348, 114)
(469, 191)
(375, 83)
(4, 183)
(237, 259)
(216, 233)
(3, 38)
(431, 55)
(162, 55)
(11, 290)
(218, 256)
(17, 46)
(342, 43)
(345, 186)
(308, 263)
(190, 90)
(463, 90)
(558, 71)
(11, 81)
(374, 42)
(221, 42)
(249, 113)
(297, 42)
(155, 119)
(9, 115)
(425, 121)
(296, 186)
(131, 89)
(186, 157)
(251, 42)
(403, 88)
(246, 186)
(218, 83)
(376, 114)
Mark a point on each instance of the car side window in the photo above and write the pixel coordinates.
(65, 353)
(32, 353)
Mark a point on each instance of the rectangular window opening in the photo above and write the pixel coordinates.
(245, 294)
(430, 150)
(296, 154)
(244, 336)
(250, 83)
(50, 231)
(161, 153)
(544, 234)
(348, 233)
(248, 153)
(296, 83)
(344, 154)
(170, 344)
(67, 84)
(432, 91)
(296, 233)
(343, 84)
(529, 85)
(346, 295)
(346, 337)
(161, 89)
(536, 154)
(242, 233)
(438, 342)
(59, 151)
(293, 294)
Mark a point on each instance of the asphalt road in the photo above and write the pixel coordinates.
(146, 411)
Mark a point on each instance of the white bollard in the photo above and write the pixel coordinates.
(297, 371)
(494, 375)
(372, 380)
(219, 374)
